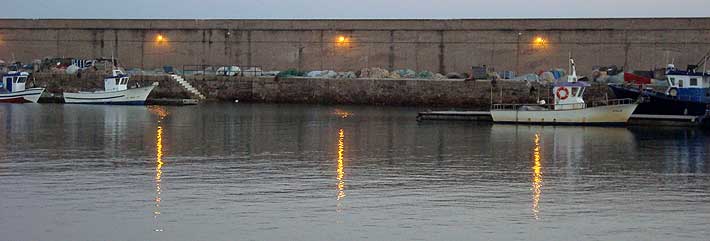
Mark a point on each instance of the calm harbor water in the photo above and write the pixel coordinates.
(301, 172)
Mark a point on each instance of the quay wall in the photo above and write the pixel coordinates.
(435, 45)
(393, 92)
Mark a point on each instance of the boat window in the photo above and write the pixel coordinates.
(680, 83)
(124, 81)
(574, 91)
(672, 81)
(14, 79)
(21, 80)
(118, 81)
(581, 92)
(693, 81)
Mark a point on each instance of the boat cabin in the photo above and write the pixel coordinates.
(568, 95)
(116, 82)
(687, 83)
(14, 81)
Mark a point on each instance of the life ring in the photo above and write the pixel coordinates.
(561, 95)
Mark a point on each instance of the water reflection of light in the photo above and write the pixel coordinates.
(162, 113)
(158, 175)
(537, 177)
(340, 171)
(158, 110)
(342, 113)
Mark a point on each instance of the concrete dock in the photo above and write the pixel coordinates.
(172, 102)
(636, 119)
(484, 116)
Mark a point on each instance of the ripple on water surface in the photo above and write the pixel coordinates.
(301, 172)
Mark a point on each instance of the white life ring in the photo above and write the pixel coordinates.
(562, 93)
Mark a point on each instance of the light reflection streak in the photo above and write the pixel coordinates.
(342, 113)
(162, 113)
(340, 171)
(537, 177)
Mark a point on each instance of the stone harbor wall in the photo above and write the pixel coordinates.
(408, 92)
(440, 46)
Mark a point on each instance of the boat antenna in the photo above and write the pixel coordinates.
(569, 61)
(572, 76)
(705, 65)
(113, 62)
(703, 59)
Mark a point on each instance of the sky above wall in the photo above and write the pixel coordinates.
(353, 9)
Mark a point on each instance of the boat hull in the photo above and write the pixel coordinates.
(600, 115)
(660, 103)
(135, 96)
(26, 96)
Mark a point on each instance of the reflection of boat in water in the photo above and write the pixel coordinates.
(115, 92)
(677, 150)
(567, 141)
(12, 89)
(572, 146)
(568, 108)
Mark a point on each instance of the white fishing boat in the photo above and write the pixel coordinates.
(115, 92)
(568, 108)
(12, 89)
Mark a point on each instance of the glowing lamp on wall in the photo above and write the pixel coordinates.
(539, 42)
(160, 38)
(342, 41)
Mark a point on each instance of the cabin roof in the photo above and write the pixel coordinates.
(572, 84)
(15, 73)
(685, 72)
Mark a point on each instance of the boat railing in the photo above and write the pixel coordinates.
(545, 107)
(625, 101)
(532, 107)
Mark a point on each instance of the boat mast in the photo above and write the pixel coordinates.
(572, 77)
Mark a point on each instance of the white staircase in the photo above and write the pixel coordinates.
(187, 86)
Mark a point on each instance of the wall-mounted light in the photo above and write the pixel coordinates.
(539, 42)
(160, 39)
(342, 41)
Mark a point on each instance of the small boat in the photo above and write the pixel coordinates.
(115, 92)
(569, 108)
(12, 89)
(688, 93)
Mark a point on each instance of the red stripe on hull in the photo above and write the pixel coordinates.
(14, 100)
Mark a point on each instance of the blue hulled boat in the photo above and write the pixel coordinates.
(688, 93)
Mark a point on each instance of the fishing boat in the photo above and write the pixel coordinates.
(115, 92)
(12, 89)
(569, 107)
(688, 93)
